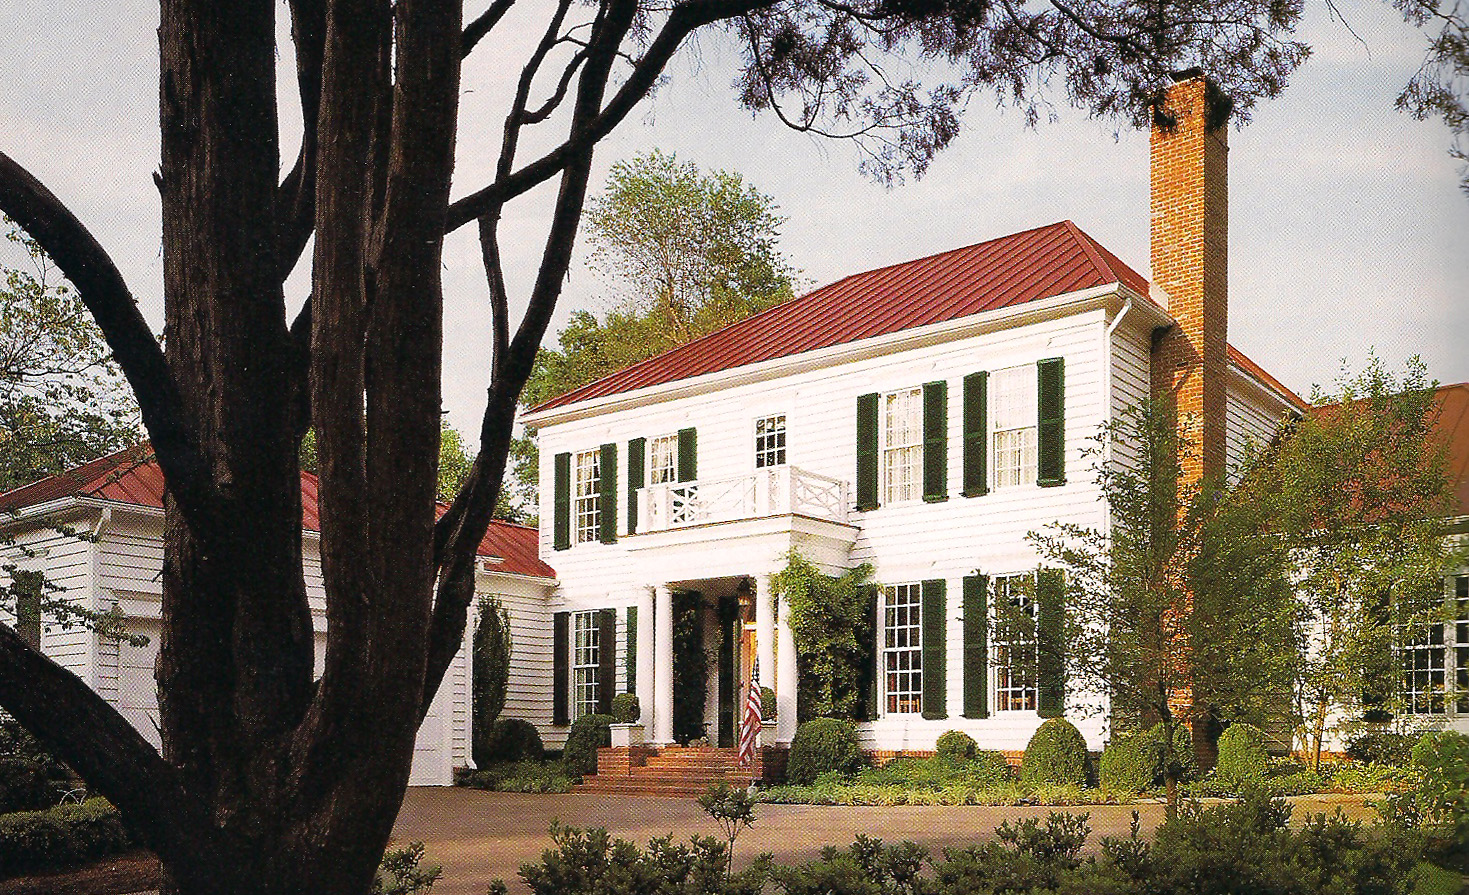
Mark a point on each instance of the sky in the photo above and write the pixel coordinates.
(1348, 233)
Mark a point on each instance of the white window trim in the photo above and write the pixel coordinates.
(995, 645)
(915, 484)
(914, 648)
(1028, 471)
(785, 448)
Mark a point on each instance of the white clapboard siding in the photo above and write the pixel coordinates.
(1252, 420)
(66, 561)
(528, 693)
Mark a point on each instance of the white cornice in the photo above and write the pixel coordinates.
(916, 337)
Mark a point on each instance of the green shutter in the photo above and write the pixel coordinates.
(935, 441)
(1050, 633)
(637, 453)
(688, 455)
(606, 659)
(1051, 422)
(562, 510)
(868, 657)
(561, 668)
(976, 434)
(976, 647)
(867, 452)
(607, 505)
(630, 671)
(934, 634)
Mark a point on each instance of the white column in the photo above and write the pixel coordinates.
(663, 666)
(644, 670)
(785, 680)
(764, 629)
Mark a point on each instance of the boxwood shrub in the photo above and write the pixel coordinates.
(588, 734)
(1056, 754)
(510, 739)
(822, 745)
(32, 841)
(1243, 760)
(956, 745)
(1382, 747)
(1127, 764)
(626, 709)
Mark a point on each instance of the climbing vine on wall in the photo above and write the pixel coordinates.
(832, 625)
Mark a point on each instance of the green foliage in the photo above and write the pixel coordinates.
(491, 679)
(1382, 747)
(509, 739)
(733, 810)
(1056, 754)
(829, 621)
(822, 745)
(31, 778)
(690, 667)
(401, 872)
(1128, 765)
(32, 841)
(591, 862)
(520, 776)
(956, 745)
(588, 733)
(767, 704)
(625, 709)
(1243, 760)
(1442, 762)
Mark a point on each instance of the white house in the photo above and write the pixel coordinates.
(921, 417)
(117, 501)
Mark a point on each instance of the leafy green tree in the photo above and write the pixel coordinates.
(1182, 609)
(1440, 87)
(1360, 490)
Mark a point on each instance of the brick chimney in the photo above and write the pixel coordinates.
(1190, 259)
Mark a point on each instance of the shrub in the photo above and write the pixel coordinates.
(400, 872)
(626, 709)
(491, 678)
(1243, 760)
(1382, 747)
(1127, 765)
(510, 739)
(1442, 762)
(519, 776)
(1185, 765)
(822, 745)
(1056, 754)
(32, 841)
(592, 862)
(767, 704)
(956, 745)
(588, 734)
(31, 778)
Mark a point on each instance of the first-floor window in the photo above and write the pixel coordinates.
(902, 648)
(586, 659)
(1436, 661)
(588, 496)
(1015, 643)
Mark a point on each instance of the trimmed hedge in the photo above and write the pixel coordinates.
(1055, 755)
(1381, 747)
(32, 841)
(588, 734)
(1127, 765)
(956, 745)
(822, 745)
(510, 739)
(1243, 760)
(767, 704)
(626, 709)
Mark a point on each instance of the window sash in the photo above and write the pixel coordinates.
(1012, 416)
(663, 460)
(902, 649)
(586, 662)
(902, 455)
(1435, 661)
(1016, 660)
(770, 441)
(588, 504)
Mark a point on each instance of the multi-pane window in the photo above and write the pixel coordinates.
(588, 496)
(902, 648)
(770, 441)
(1013, 425)
(586, 661)
(1436, 660)
(663, 460)
(1015, 643)
(902, 445)
(1461, 644)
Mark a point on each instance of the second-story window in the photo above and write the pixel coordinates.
(1013, 425)
(770, 441)
(902, 445)
(663, 460)
(588, 508)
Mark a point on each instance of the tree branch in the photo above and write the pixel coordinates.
(101, 288)
(298, 190)
(475, 31)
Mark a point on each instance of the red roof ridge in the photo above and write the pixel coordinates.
(1259, 373)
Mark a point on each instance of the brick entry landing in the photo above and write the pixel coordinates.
(676, 771)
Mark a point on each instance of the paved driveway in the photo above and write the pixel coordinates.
(482, 836)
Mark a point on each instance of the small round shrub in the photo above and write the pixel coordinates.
(820, 746)
(1055, 755)
(588, 734)
(1382, 747)
(767, 704)
(509, 739)
(956, 745)
(626, 709)
(1243, 760)
(1186, 764)
(1127, 765)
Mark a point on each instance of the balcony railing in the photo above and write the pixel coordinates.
(775, 491)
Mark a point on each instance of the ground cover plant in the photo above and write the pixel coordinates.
(521, 776)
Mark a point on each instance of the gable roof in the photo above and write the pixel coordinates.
(1000, 273)
(133, 477)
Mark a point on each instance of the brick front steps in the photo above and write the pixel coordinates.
(675, 771)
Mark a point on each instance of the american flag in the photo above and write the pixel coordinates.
(750, 723)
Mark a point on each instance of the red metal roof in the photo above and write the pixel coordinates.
(1453, 422)
(1255, 370)
(132, 477)
(1041, 263)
